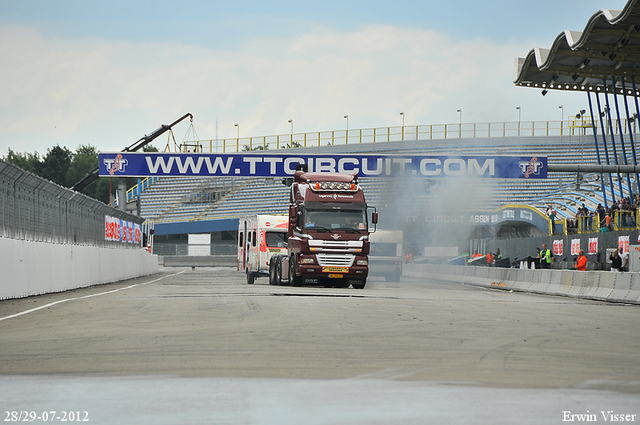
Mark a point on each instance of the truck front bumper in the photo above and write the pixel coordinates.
(312, 273)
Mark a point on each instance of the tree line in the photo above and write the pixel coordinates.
(66, 168)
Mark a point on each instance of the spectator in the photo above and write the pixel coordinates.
(408, 256)
(581, 261)
(552, 217)
(498, 255)
(475, 254)
(616, 261)
(546, 257)
(490, 258)
(624, 257)
(580, 214)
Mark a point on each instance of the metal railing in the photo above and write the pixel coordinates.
(568, 127)
(621, 220)
(142, 185)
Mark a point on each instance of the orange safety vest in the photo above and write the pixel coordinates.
(581, 263)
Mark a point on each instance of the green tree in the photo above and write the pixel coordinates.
(149, 148)
(27, 161)
(67, 168)
(246, 148)
(83, 162)
(56, 164)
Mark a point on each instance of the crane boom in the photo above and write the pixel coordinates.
(142, 142)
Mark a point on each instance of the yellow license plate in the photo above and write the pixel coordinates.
(335, 276)
(330, 269)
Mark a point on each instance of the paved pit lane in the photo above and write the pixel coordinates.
(202, 345)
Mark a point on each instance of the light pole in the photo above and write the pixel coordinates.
(237, 126)
(519, 112)
(402, 129)
(580, 116)
(291, 122)
(561, 119)
(346, 133)
(460, 126)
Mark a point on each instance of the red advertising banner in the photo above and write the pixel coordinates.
(118, 230)
(558, 247)
(623, 242)
(575, 246)
(593, 246)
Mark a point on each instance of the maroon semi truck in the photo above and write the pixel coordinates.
(328, 235)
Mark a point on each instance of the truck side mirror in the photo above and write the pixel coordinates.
(293, 215)
(374, 217)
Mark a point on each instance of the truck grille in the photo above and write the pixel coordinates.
(339, 260)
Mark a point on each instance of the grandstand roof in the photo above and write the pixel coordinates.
(608, 46)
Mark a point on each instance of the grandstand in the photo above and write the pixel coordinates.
(179, 199)
(600, 61)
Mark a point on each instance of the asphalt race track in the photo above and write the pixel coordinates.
(202, 346)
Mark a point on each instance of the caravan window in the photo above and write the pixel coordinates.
(276, 239)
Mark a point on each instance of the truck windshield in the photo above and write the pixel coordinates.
(276, 239)
(350, 218)
(383, 249)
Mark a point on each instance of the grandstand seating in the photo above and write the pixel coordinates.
(171, 198)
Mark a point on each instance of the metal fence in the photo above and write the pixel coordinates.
(35, 209)
(567, 127)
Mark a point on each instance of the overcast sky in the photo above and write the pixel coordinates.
(106, 73)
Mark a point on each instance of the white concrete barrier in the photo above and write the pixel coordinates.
(34, 268)
(598, 285)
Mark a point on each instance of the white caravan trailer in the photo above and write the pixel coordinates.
(385, 254)
(260, 237)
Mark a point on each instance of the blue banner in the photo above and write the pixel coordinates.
(127, 164)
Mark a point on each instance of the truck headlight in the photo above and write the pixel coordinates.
(307, 261)
(362, 262)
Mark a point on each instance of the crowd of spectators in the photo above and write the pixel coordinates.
(601, 218)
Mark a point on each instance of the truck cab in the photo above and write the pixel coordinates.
(385, 256)
(328, 233)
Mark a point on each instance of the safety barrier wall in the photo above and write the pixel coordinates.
(34, 268)
(597, 285)
(53, 239)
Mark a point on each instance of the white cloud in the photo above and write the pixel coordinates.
(111, 93)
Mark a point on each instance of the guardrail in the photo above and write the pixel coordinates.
(569, 127)
(142, 185)
(621, 220)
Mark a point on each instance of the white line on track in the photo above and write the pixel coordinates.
(86, 296)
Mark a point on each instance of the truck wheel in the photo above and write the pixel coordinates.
(250, 278)
(293, 279)
(271, 266)
(274, 272)
(359, 285)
